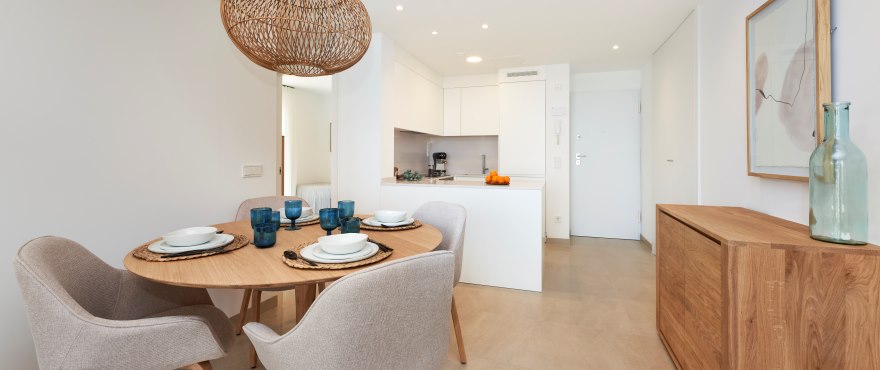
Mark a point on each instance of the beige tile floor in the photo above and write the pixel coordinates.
(596, 312)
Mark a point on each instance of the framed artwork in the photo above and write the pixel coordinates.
(788, 69)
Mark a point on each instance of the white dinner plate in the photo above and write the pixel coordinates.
(218, 241)
(370, 250)
(372, 221)
(286, 221)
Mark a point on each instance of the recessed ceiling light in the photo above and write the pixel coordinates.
(434, 32)
(399, 8)
(474, 59)
(615, 47)
(485, 26)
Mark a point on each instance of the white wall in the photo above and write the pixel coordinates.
(721, 107)
(649, 215)
(122, 120)
(606, 81)
(724, 167)
(305, 122)
(288, 103)
(364, 131)
(558, 179)
(854, 78)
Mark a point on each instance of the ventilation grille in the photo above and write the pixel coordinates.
(522, 74)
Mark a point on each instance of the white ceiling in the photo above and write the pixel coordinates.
(523, 33)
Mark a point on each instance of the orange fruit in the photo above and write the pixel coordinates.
(488, 179)
(507, 180)
(493, 173)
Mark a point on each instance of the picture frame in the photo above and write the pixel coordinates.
(788, 78)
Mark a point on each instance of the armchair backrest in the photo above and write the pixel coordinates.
(392, 316)
(274, 202)
(450, 219)
(78, 278)
(62, 284)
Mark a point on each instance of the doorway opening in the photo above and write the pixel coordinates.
(306, 111)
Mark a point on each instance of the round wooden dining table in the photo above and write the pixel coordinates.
(261, 269)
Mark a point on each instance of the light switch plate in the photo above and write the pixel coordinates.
(251, 170)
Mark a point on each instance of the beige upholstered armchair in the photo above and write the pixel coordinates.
(85, 314)
(392, 316)
(450, 219)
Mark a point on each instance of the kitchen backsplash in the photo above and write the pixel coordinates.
(412, 152)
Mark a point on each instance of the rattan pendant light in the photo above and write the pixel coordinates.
(299, 37)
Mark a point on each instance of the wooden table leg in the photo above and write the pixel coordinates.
(245, 301)
(305, 295)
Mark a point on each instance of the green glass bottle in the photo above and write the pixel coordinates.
(838, 183)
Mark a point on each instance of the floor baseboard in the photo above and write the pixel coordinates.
(646, 244)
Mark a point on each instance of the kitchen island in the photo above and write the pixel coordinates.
(504, 236)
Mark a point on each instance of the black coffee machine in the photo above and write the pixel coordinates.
(438, 169)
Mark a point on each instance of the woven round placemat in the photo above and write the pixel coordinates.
(312, 222)
(415, 225)
(143, 253)
(299, 264)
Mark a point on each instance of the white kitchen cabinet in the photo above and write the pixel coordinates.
(480, 112)
(521, 137)
(418, 102)
(471, 111)
(452, 112)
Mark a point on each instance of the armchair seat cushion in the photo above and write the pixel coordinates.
(213, 316)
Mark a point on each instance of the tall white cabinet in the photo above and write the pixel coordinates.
(521, 144)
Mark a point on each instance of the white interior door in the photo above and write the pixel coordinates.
(605, 137)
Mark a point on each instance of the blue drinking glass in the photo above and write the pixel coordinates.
(329, 219)
(346, 209)
(351, 225)
(292, 210)
(264, 235)
(276, 219)
(260, 215)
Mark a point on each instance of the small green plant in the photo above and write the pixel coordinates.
(409, 175)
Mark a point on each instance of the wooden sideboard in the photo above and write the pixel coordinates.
(738, 289)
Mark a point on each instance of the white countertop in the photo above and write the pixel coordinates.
(515, 184)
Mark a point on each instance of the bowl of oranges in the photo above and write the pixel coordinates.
(494, 179)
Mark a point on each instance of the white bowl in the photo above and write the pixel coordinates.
(190, 236)
(390, 216)
(342, 243)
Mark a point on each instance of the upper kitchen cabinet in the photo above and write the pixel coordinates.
(418, 102)
(521, 144)
(480, 112)
(452, 112)
(471, 111)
